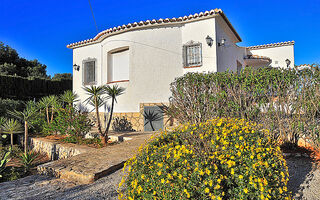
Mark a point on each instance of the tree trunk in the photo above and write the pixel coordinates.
(47, 112)
(52, 113)
(98, 121)
(25, 137)
(11, 137)
(109, 122)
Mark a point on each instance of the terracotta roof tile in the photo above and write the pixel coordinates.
(279, 44)
(111, 31)
(257, 57)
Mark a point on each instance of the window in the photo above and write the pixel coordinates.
(89, 72)
(118, 66)
(192, 54)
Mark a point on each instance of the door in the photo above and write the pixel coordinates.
(153, 118)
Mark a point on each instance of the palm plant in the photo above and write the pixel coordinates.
(26, 116)
(112, 92)
(96, 99)
(69, 97)
(54, 104)
(45, 103)
(11, 127)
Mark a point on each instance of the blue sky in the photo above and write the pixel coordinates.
(42, 29)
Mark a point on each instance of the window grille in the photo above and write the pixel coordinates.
(192, 54)
(89, 73)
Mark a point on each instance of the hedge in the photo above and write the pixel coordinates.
(285, 101)
(15, 87)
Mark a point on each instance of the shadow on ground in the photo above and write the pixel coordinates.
(304, 178)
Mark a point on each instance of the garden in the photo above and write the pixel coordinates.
(234, 128)
(54, 117)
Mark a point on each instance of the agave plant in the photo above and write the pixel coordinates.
(11, 127)
(26, 116)
(4, 160)
(27, 159)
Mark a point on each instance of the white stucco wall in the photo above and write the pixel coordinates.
(79, 55)
(155, 57)
(155, 60)
(277, 54)
(228, 54)
(198, 31)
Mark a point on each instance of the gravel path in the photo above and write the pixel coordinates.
(42, 187)
(304, 183)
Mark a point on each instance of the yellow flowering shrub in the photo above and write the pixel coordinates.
(223, 158)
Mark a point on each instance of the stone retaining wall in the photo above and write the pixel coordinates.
(136, 118)
(55, 150)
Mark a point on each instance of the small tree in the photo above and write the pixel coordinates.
(96, 99)
(112, 92)
(26, 116)
(11, 127)
(45, 104)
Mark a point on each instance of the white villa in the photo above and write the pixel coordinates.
(145, 57)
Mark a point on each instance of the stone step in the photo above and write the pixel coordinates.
(80, 169)
(87, 167)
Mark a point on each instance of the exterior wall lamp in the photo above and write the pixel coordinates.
(222, 42)
(76, 67)
(288, 62)
(209, 41)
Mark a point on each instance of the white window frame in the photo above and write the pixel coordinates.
(192, 60)
(84, 81)
(110, 65)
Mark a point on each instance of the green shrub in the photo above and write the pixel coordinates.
(79, 140)
(68, 121)
(285, 101)
(38, 123)
(218, 159)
